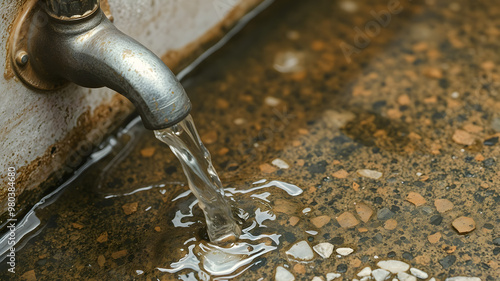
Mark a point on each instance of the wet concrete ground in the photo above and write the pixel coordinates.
(417, 104)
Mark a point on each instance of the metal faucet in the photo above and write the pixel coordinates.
(59, 41)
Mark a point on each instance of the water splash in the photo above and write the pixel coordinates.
(185, 143)
(259, 236)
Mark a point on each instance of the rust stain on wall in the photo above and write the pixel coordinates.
(65, 156)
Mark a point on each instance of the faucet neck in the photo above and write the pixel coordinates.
(69, 10)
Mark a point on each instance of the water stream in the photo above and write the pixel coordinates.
(185, 143)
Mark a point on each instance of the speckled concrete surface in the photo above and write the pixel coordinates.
(418, 107)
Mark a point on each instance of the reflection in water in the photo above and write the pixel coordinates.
(223, 262)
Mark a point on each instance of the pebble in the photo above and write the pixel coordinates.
(317, 278)
(416, 199)
(355, 263)
(390, 224)
(272, 101)
(406, 277)
(435, 73)
(344, 251)
(332, 276)
(280, 163)
(370, 174)
(464, 224)
(130, 208)
(380, 274)
(101, 260)
(77, 225)
(347, 220)
(436, 220)
(293, 220)
(340, 174)
(348, 6)
(239, 121)
(119, 254)
(299, 268)
(434, 238)
(283, 275)
(393, 266)
(320, 221)
(462, 278)
(301, 251)
(462, 137)
(209, 137)
(447, 261)
(29, 275)
(148, 152)
(342, 268)
(491, 141)
(288, 62)
(419, 273)
(384, 214)
(364, 211)
(496, 241)
(103, 237)
(267, 169)
(443, 205)
(365, 272)
(325, 249)
(404, 99)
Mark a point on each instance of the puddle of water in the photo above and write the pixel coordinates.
(260, 234)
(185, 143)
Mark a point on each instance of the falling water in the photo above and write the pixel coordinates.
(185, 143)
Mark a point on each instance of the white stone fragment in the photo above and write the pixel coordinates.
(432, 279)
(344, 251)
(370, 174)
(272, 101)
(280, 163)
(283, 275)
(365, 272)
(317, 278)
(239, 121)
(325, 249)
(393, 266)
(301, 251)
(288, 62)
(380, 274)
(332, 276)
(348, 6)
(366, 278)
(462, 278)
(455, 95)
(419, 273)
(402, 276)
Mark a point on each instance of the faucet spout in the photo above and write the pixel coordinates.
(91, 52)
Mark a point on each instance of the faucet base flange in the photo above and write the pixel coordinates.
(33, 16)
(20, 60)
